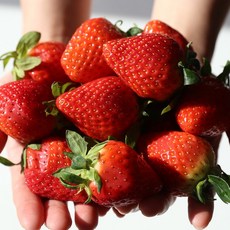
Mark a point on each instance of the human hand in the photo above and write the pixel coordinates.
(34, 211)
(199, 214)
(50, 212)
(55, 214)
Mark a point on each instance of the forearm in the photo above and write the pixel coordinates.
(55, 19)
(198, 20)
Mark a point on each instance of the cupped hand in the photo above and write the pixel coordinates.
(199, 214)
(34, 211)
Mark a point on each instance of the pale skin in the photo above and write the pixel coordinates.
(57, 20)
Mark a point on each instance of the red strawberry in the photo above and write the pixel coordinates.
(50, 69)
(22, 112)
(148, 63)
(82, 59)
(204, 108)
(184, 162)
(114, 174)
(40, 61)
(3, 139)
(157, 26)
(41, 161)
(100, 108)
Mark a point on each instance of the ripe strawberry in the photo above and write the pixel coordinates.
(40, 61)
(50, 69)
(41, 161)
(185, 163)
(22, 112)
(203, 108)
(114, 174)
(3, 139)
(100, 108)
(148, 63)
(82, 59)
(157, 26)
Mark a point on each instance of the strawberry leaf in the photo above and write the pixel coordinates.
(34, 146)
(6, 162)
(82, 169)
(200, 190)
(224, 76)
(22, 61)
(27, 63)
(133, 31)
(166, 109)
(27, 41)
(79, 162)
(58, 89)
(190, 76)
(17, 73)
(7, 56)
(206, 69)
(132, 134)
(93, 153)
(94, 176)
(76, 142)
(221, 187)
(69, 178)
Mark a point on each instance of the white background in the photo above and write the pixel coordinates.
(130, 12)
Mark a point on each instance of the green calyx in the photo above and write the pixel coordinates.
(133, 31)
(224, 76)
(51, 108)
(219, 181)
(21, 61)
(82, 171)
(57, 89)
(7, 162)
(190, 67)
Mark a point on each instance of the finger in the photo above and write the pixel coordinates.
(57, 215)
(102, 210)
(199, 214)
(29, 207)
(117, 213)
(156, 205)
(123, 210)
(6, 78)
(86, 216)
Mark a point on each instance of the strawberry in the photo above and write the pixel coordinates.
(40, 61)
(50, 69)
(157, 26)
(82, 59)
(101, 108)
(203, 108)
(148, 63)
(41, 162)
(3, 139)
(185, 163)
(22, 112)
(114, 173)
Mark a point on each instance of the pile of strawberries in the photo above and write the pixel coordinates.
(114, 117)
